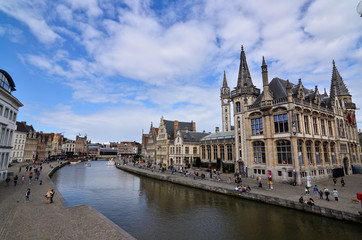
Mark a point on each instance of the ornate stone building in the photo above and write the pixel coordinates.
(44, 145)
(185, 148)
(31, 143)
(68, 147)
(166, 134)
(149, 144)
(81, 146)
(289, 132)
(219, 146)
(57, 143)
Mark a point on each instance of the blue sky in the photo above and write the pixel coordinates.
(109, 68)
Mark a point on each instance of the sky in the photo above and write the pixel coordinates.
(108, 68)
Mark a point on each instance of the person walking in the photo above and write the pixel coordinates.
(16, 180)
(52, 193)
(22, 179)
(335, 194)
(343, 182)
(306, 190)
(7, 180)
(27, 194)
(19, 169)
(335, 181)
(320, 194)
(326, 192)
(30, 177)
(48, 195)
(315, 189)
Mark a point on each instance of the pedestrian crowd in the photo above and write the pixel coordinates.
(33, 171)
(322, 193)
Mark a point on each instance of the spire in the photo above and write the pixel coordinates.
(263, 63)
(244, 79)
(225, 83)
(225, 90)
(338, 83)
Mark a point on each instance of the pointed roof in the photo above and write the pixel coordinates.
(225, 83)
(170, 127)
(338, 83)
(244, 79)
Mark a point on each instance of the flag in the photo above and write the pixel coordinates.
(348, 118)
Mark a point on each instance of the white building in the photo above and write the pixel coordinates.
(19, 140)
(9, 106)
(68, 146)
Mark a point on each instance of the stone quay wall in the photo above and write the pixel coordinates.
(212, 187)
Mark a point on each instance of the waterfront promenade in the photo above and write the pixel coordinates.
(35, 219)
(281, 194)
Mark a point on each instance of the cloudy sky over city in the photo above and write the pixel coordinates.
(108, 68)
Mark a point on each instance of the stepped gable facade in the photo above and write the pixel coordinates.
(166, 134)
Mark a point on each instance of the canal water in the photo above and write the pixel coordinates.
(152, 209)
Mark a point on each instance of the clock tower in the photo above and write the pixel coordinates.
(225, 106)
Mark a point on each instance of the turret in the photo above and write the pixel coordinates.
(264, 70)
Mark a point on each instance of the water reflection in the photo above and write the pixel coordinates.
(151, 209)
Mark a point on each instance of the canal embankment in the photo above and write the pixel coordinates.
(281, 195)
(36, 219)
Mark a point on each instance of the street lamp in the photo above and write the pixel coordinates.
(359, 8)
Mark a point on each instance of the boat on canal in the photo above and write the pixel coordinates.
(111, 163)
(87, 164)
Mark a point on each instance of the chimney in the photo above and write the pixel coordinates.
(217, 129)
(175, 127)
(193, 126)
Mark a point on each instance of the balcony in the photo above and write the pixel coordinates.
(350, 105)
(242, 91)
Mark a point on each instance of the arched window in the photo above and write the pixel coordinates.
(208, 152)
(325, 152)
(300, 152)
(332, 153)
(238, 107)
(259, 152)
(284, 152)
(215, 152)
(308, 145)
(230, 152)
(222, 153)
(317, 151)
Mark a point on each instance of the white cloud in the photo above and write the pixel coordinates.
(169, 58)
(30, 13)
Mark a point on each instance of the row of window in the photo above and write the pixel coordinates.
(207, 150)
(281, 125)
(20, 141)
(8, 113)
(18, 154)
(4, 160)
(284, 152)
(178, 150)
(6, 136)
(290, 173)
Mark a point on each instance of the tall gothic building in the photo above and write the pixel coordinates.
(290, 132)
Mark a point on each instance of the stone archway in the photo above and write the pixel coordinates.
(346, 165)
